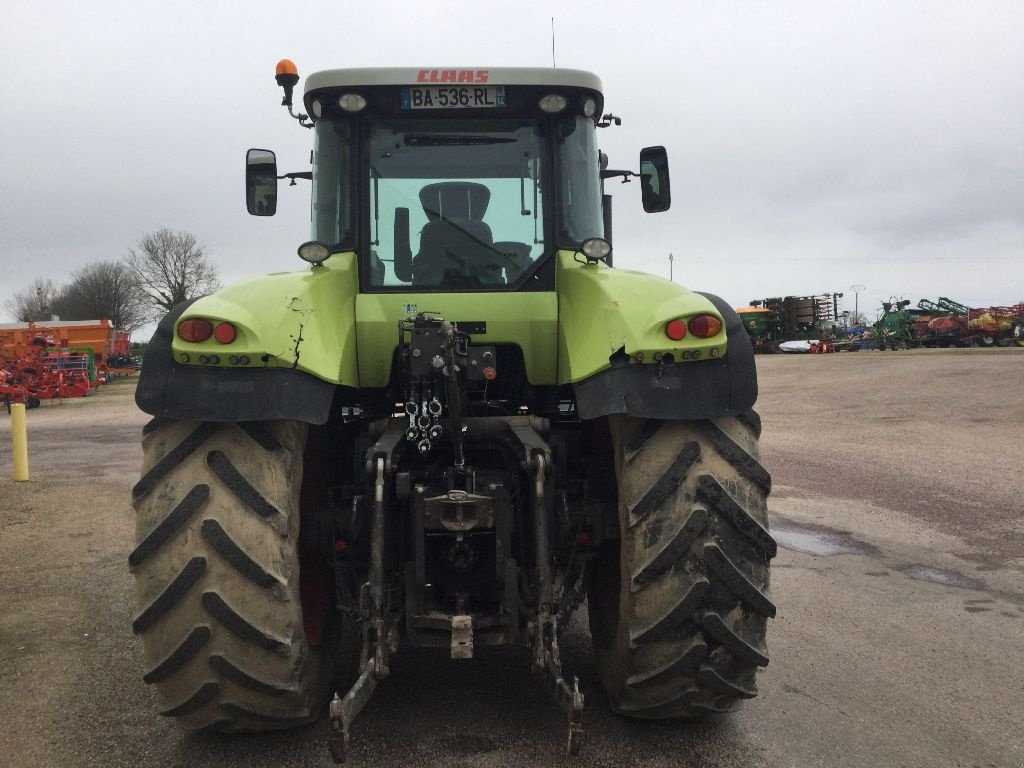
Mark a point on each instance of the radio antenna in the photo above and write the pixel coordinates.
(553, 41)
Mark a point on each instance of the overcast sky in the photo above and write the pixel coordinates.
(813, 145)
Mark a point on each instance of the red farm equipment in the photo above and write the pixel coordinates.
(58, 360)
(46, 372)
(941, 323)
(997, 325)
(948, 323)
(109, 346)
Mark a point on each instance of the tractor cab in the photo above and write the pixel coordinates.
(454, 179)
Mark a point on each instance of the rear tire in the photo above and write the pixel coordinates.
(679, 605)
(217, 577)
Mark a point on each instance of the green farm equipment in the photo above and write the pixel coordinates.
(772, 321)
(943, 306)
(894, 328)
(764, 326)
(452, 428)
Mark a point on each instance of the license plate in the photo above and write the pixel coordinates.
(453, 97)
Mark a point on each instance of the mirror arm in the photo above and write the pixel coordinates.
(607, 174)
(308, 175)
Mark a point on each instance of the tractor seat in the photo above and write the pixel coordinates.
(456, 253)
(456, 246)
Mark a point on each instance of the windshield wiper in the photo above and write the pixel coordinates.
(454, 141)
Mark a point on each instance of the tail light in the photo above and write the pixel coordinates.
(195, 330)
(224, 333)
(704, 326)
(675, 329)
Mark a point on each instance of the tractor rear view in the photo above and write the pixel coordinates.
(451, 430)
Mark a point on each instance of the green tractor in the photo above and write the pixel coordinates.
(454, 427)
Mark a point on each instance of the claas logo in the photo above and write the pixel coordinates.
(452, 76)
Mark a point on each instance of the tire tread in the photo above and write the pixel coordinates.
(239, 626)
(686, 633)
(171, 595)
(216, 566)
(236, 557)
(243, 490)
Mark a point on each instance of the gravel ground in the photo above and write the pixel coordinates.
(900, 584)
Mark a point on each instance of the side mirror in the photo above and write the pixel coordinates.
(654, 181)
(261, 182)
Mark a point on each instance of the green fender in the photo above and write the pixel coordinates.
(302, 321)
(614, 350)
(294, 350)
(608, 315)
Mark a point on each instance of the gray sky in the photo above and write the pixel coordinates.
(813, 145)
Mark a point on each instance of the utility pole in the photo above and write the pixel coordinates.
(670, 267)
(856, 292)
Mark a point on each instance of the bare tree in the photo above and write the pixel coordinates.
(171, 267)
(35, 303)
(104, 290)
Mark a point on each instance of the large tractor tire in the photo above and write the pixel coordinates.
(228, 642)
(680, 603)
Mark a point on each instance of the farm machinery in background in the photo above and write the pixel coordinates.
(945, 323)
(46, 372)
(1003, 326)
(110, 346)
(815, 324)
(810, 320)
(59, 360)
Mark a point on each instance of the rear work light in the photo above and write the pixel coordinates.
(704, 326)
(194, 330)
(675, 329)
(224, 333)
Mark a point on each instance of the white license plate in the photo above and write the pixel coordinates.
(453, 97)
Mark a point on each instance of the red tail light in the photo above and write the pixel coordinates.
(224, 333)
(195, 330)
(704, 326)
(675, 329)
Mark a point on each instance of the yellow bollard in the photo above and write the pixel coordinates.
(19, 442)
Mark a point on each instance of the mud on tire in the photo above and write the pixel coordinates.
(679, 605)
(217, 576)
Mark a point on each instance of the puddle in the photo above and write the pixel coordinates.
(812, 542)
(940, 576)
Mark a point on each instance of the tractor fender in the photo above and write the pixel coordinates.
(689, 390)
(170, 390)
